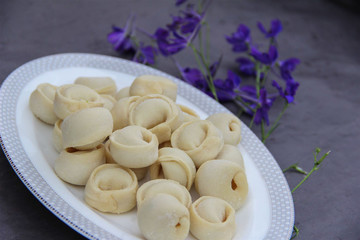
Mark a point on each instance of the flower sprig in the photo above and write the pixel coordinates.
(263, 67)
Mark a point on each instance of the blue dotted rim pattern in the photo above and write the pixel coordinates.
(282, 206)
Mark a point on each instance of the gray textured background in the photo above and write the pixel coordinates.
(325, 35)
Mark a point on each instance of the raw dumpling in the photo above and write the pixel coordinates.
(149, 84)
(57, 136)
(42, 103)
(134, 147)
(212, 218)
(174, 164)
(188, 113)
(163, 217)
(139, 172)
(71, 98)
(222, 179)
(75, 166)
(229, 125)
(231, 153)
(157, 113)
(153, 187)
(109, 101)
(122, 93)
(86, 128)
(111, 188)
(102, 85)
(200, 139)
(120, 112)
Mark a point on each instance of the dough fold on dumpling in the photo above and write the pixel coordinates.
(229, 125)
(111, 188)
(231, 153)
(174, 164)
(200, 139)
(150, 84)
(57, 136)
(139, 172)
(171, 187)
(212, 218)
(157, 113)
(163, 217)
(222, 179)
(134, 147)
(42, 103)
(86, 128)
(102, 85)
(109, 101)
(75, 166)
(120, 112)
(71, 98)
(188, 114)
(122, 93)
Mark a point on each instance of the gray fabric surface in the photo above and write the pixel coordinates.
(323, 34)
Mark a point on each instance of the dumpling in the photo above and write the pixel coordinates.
(122, 93)
(139, 172)
(42, 103)
(200, 139)
(120, 112)
(231, 153)
(111, 188)
(57, 136)
(134, 147)
(174, 164)
(86, 128)
(109, 101)
(71, 98)
(229, 125)
(163, 217)
(102, 85)
(212, 218)
(150, 84)
(222, 179)
(171, 187)
(188, 113)
(157, 113)
(75, 166)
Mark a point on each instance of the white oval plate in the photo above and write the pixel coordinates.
(267, 214)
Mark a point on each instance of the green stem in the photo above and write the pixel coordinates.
(210, 81)
(295, 232)
(315, 167)
(258, 73)
(262, 130)
(275, 124)
(295, 167)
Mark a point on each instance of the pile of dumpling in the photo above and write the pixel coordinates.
(110, 140)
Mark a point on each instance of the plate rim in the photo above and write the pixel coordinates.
(282, 220)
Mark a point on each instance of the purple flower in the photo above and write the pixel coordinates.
(265, 58)
(275, 28)
(179, 2)
(166, 44)
(265, 105)
(289, 93)
(246, 66)
(287, 66)
(146, 55)
(194, 77)
(226, 89)
(240, 39)
(120, 38)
